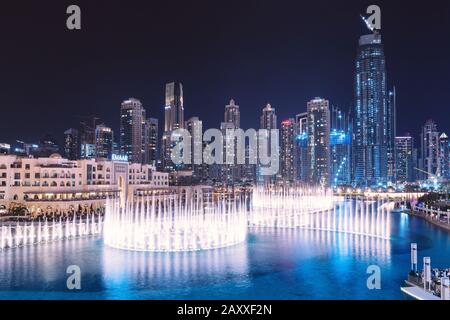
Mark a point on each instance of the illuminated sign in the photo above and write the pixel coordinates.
(5, 146)
(119, 157)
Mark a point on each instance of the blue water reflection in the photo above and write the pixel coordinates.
(272, 264)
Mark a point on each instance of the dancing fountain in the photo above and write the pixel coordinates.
(173, 225)
(19, 235)
(316, 209)
(288, 207)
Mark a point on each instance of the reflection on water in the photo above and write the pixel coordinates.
(273, 263)
(160, 271)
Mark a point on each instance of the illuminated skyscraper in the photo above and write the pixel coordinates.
(429, 151)
(72, 144)
(404, 159)
(173, 119)
(391, 132)
(174, 108)
(340, 146)
(268, 121)
(104, 138)
(195, 127)
(232, 114)
(151, 141)
(444, 156)
(132, 130)
(301, 145)
(319, 141)
(287, 153)
(370, 126)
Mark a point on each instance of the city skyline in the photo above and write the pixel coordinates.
(286, 85)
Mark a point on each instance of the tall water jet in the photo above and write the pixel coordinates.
(171, 224)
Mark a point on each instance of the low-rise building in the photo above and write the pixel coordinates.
(57, 185)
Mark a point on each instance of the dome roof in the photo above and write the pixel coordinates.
(55, 156)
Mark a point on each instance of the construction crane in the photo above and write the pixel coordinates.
(433, 177)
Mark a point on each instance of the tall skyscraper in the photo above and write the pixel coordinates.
(195, 127)
(287, 155)
(268, 118)
(71, 144)
(429, 150)
(404, 159)
(340, 145)
(391, 133)
(104, 138)
(173, 120)
(229, 173)
(319, 141)
(232, 114)
(268, 121)
(151, 141)
(444, 156)
(370, 126)
(301, 145)
(174, 108)
(132, 130)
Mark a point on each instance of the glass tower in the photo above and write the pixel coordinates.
(370, 144)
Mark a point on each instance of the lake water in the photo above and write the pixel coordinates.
(271, 264)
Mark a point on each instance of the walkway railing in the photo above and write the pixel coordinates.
(434, 214)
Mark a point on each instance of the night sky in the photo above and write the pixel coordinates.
(256, 52)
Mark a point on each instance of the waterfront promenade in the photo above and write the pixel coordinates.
(436, 217)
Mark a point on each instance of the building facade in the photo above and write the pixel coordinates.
(57, 185)
(132, 130)
(72, 144)
(404, 159)
(104, 139)
(288, 156)
(429, 150)
(319, 141)
(370, 123)
(301, 145)
(444, 156)
(340, 148)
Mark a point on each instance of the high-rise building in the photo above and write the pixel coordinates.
(404, 159)
(268, 121)
(104, 138)
(72, 144)
(444, 156)
(301, 145)
(195, 127)
(173, 120)
(268, 118)
(429, 150)
(319, 141)
(151, 141)
(174, 108)
(287, 155)
(232, 114)
(340, 146)
(230, 173)
(87, 138)
(132, 130)
(391, 133)
(370, 116)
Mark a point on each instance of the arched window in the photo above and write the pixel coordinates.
(54, 184)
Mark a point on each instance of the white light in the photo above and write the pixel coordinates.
(169, 225)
